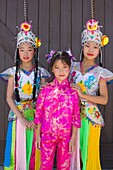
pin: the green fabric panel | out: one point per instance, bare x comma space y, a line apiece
84, 133
29, 141
29, 114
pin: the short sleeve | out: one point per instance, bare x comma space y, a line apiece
76, 120
10, 72
44, 73
107, 75
40, 107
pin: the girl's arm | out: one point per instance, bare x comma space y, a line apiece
76, 123
39, 115
38, 136
101, 99
11, 103
72, 143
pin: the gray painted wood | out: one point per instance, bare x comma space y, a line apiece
58, 23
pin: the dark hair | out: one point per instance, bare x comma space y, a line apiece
35, 73
17, 97
63, 56
100, 57
81, 55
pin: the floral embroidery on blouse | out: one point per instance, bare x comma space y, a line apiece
89, 83
27, 88
82, 85
26, 80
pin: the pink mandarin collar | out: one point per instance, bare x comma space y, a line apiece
63, 85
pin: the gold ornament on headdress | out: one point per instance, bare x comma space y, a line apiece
38, 42
104, 40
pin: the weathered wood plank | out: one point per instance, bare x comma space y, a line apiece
55, 25
44, 8
77, 27
59, 24
66, 25
7, 39
2, 92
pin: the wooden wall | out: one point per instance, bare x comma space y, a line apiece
58, 23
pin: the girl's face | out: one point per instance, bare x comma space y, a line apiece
61, 70
26, 52
91, 50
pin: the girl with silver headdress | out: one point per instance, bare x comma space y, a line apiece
24, 82
88, 78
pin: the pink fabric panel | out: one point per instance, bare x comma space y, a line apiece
20, 147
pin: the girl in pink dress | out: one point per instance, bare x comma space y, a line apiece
57, 115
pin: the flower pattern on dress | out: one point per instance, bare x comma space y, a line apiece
89, 82
91, 110
58, 108
73, 77
82, 85
27, 88
97, 114
73, 74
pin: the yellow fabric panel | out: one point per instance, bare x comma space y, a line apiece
93, 162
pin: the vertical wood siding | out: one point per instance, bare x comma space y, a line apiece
58, 23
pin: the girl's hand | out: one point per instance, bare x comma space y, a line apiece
24, 121
72, 145
78, 88
32, 125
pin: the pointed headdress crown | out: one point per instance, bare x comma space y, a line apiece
93, 33
27, 36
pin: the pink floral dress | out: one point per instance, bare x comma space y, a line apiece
57, 110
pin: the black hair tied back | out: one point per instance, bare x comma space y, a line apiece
35, 73
17, 97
